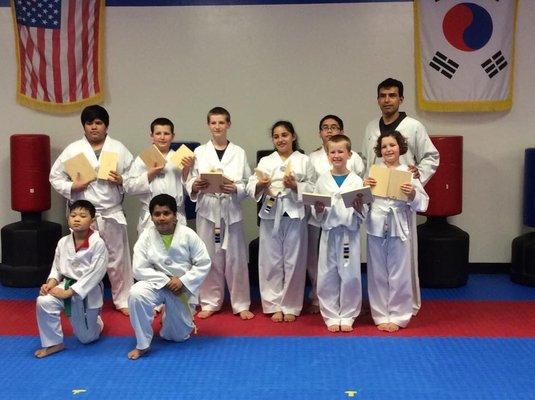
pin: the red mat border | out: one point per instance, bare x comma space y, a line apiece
438, 318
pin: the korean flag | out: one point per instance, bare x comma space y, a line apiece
464, 54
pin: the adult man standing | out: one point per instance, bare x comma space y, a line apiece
422, 156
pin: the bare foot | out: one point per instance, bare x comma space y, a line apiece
346, 328
205, 314
47, 351
388, 327
277, 317
334, 328
313, 309
393, 327
124, 311
383, 327
136, 353
246, 314
158, 309
289, 317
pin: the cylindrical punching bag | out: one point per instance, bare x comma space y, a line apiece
445, 188
30, 165
443, 248
529, 188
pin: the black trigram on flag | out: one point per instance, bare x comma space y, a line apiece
494, 64
446, 66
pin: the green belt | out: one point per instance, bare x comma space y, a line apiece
68, 283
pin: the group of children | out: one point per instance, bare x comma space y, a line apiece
176, 267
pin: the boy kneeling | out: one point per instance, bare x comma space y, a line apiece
74, 283
170, 263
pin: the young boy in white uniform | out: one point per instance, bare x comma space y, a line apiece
283, 226
145, 183
105, 195
170, 263
422, 157
389, 241
329, 126
339, 287
74, 284
220, 218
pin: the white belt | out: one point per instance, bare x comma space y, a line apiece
393, 212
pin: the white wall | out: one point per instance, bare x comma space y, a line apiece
296, 62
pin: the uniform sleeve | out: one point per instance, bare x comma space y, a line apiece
59, 179
124, 167
358, 165
367, 149
200, 264
142, 266
426, 154
136, 181
95, 272
241, 192
193, 174
54, 271
251, 184
421, 198
307, 184
251, 189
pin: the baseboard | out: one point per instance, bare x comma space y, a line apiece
489, 268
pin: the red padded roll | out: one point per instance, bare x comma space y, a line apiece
30, 165
445, 188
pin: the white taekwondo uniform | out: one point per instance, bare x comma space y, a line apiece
87, 266
339, 286
320, 161
283, 234
423, 154
220, 225
168, 181
154, 265
389, 255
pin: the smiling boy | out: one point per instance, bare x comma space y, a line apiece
339, 287
170, 263
145, 182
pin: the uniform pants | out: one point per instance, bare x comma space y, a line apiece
119, 264
48, 310
416, 296
314, 233
339, 287
177, 321
228, 265
389, 280
281, 265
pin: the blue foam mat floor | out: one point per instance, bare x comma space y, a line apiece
274, 368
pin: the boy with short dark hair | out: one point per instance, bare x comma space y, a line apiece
105, 194
74, 284
170, 263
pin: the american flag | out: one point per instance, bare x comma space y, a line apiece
59, 51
